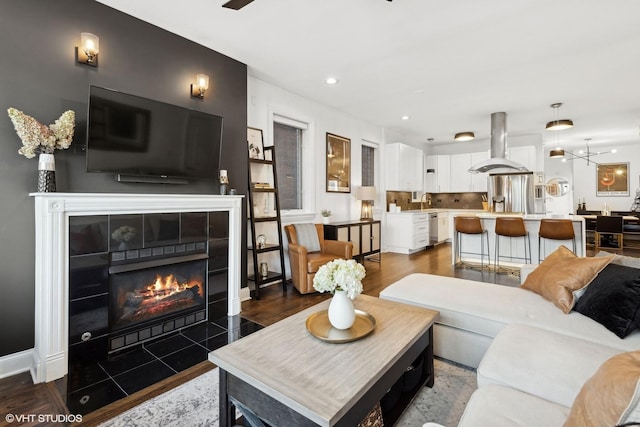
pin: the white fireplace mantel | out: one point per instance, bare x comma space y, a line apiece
52, 212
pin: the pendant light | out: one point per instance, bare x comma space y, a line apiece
557, 153
558, 124
464, 136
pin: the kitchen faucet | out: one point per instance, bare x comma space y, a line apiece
423, 201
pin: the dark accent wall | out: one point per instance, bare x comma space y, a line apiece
39, 75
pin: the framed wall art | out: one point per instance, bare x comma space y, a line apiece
255, 143
338, 164
612, 179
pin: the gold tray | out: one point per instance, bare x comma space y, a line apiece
318, 325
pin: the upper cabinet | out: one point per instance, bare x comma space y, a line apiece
460, 176
404, 167
526, 156
479, 180
437, 174
450, 173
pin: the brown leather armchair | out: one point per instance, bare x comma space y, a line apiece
304, 265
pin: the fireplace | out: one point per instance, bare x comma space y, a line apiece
95, 251
146, 301
146, 295
137, 277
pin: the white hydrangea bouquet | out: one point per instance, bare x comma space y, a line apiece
340, 275
38, 138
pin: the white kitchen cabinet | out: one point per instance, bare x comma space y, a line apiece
479, 180
526, 156
438, 181
404, 167
460, 176
443, 227
430, 178
453, 175
407, 232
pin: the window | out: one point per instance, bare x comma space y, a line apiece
288, 142
293, 140
368, 166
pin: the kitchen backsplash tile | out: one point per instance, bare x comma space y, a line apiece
438, 200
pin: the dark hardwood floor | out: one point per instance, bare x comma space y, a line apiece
18, 395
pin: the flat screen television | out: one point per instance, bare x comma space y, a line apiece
144, 140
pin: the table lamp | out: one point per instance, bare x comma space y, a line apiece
367, 195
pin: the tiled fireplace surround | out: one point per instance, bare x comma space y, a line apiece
53, 212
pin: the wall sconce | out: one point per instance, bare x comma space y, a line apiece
200, 86
367, 195
87, 52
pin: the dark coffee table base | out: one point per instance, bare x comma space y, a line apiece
277, 414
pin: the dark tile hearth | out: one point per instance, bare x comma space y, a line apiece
143, 376
94, 397
93, 385
186, 358
126, 361
165, 346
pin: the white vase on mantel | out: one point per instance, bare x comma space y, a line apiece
341, 311
325, 220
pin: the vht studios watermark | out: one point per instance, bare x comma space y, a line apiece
43, 418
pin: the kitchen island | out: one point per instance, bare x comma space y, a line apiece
512, 250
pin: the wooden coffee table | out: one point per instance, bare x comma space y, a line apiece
288, 377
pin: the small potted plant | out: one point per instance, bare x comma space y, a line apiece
326, 213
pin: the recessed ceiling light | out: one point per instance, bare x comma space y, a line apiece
331, 81
405, 117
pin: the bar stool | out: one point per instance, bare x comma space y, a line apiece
556, 229
470, 225
511, 227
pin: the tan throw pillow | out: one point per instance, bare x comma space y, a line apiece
610, 397
561, 274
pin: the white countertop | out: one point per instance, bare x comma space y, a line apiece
531, 217
435, 210
484, 214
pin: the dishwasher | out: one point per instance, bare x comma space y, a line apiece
433, 228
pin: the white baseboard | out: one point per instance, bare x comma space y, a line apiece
245, 294
16, 363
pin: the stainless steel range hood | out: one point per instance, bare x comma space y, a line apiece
498, 163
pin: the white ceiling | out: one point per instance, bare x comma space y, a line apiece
446, 64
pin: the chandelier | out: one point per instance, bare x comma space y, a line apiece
585, 154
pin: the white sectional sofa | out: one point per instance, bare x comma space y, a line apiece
472, 313
531, 377
536, 365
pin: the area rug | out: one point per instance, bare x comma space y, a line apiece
195, 403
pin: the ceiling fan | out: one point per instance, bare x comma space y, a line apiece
239, 4
236, 4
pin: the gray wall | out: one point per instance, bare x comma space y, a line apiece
39, 76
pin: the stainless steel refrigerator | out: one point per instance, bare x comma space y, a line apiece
511, 192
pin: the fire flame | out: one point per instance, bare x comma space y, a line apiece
169, 285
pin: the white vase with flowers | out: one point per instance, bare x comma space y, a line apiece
343, 278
